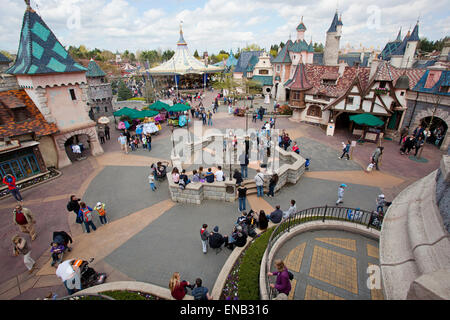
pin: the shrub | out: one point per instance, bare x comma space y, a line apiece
285, 110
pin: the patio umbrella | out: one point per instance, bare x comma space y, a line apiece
158, 105
367, 119
144, 113
103, 120
125, 112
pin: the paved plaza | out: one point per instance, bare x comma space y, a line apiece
149, 236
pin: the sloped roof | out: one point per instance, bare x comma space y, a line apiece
36, 123
299, 80
444, 80
299, 46
264, 80
4, 59
283, 56
252, 62
334, 23
244, 59
415, 33
94, 70
39, 51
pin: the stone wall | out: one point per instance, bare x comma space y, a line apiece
414, 244
8, 82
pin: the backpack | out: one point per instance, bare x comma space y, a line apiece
182, 184
291, 276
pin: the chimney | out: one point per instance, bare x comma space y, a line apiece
342, 66
373, 67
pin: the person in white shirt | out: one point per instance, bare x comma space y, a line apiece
123, 142
291, 211
259, 181
219, 174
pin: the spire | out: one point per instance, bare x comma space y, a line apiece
39, 50
334, 23
301, 26
415, 33
339, 23
399, 35
181, 41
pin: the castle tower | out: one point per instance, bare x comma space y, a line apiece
331, 50
411, 46
56, 84
301, 28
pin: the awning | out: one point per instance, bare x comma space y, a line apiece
367, 119
159, 105
178, 108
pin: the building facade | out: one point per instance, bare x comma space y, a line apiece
99, 92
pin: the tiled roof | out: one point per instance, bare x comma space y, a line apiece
299, 46
444, 80
264, 80
94, 70
299, 80
36, 123
244, 58
334, 23
415, 33
39, 51
283, 56
4, 59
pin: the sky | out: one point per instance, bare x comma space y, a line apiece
213, 25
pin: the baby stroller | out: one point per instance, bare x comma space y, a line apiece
161, 174
90, 277
59, 246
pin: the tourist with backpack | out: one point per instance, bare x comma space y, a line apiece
200, 292
204, 234
86, 214
100, 208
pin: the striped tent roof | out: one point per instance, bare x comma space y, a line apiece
39, 51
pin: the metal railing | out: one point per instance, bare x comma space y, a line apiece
358, 216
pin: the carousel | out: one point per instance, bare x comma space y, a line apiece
184, 70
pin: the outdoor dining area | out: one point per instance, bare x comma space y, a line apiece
368, 127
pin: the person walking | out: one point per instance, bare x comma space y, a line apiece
282, 283
242, 197
86, 213
209, 118
272, 183
123, 142
200, 292
151, 181
238, 177
419, 144
408, 144
21, 247
10, 181
107, 132
204, 237
341, 190
345, 150
376, 156
148, 137
24, 218
259, 181
101, 135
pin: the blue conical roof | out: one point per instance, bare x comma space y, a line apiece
334, 23
39, 51
415, 33
94, 70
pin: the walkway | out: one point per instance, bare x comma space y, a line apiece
149, 236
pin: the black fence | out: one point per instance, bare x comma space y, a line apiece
363, 217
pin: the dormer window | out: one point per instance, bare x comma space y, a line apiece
329, 82
350, 100
21, 114
382, 84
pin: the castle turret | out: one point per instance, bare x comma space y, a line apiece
331, 51
301, 28
411, 47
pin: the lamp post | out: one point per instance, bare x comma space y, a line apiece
229, 147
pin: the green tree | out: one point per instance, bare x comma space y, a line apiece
196, 54
167, 55
123, 92
318, 47
252, 47
222, 56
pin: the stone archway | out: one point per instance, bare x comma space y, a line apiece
62, 137
439, 113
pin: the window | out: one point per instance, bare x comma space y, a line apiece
278, 68
21, 114
314, 111
296, 95
320, 97
72, 94
106, 109
329, 82
382, 84
263, 71
402, 93
350, 100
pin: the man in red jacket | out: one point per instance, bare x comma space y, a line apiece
10, 181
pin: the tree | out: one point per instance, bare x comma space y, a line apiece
123, 92
222, 56
167, 55
318, 47
226, 82
252, 47
196, 54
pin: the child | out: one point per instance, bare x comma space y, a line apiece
151, 180
86, 213
341, 193
100, 208
144, 142
295, 148
56, 250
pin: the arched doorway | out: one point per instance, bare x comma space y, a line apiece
78, 147
438, 129
343, 122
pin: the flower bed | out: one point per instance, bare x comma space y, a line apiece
243, 281
119, 295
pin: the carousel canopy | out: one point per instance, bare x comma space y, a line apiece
158, 105
183, 63
367, 119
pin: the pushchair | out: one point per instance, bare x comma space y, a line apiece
90, 277
59, 246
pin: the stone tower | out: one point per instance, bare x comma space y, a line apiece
409, 56
331, 51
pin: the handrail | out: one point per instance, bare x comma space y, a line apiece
358, 216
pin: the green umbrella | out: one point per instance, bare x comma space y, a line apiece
146, 113
179, 107
158, 105
124, 112
367, 119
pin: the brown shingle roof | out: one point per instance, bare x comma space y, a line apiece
36, 123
